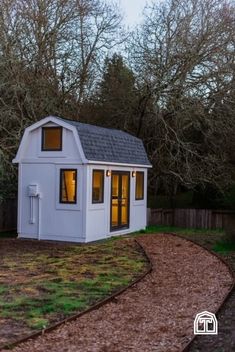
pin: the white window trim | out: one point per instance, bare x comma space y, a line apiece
68, 206
51, 154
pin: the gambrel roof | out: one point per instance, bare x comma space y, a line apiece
95, 144
110, 145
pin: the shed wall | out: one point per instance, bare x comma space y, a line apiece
98, 215
52, 221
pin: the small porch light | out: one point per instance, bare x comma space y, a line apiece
133, 173
108, 173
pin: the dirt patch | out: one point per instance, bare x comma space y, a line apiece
154, 315
42, 283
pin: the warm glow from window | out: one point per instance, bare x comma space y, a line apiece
98, 186
120, 199
68, 186
139, 189
51, 138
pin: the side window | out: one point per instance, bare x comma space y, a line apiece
98, 186
139, 186
68, 186
51, 138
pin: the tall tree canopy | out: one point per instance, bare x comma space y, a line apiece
114, 99
173, 85
183, 54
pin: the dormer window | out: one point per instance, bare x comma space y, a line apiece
51, 138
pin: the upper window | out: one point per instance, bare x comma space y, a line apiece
139, 186
98, 186
68, 186
51, 138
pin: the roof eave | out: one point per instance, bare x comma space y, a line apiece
118, 164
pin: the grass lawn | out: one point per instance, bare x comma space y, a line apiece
224, 247
43, 282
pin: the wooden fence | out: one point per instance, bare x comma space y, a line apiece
190, 218
8, 215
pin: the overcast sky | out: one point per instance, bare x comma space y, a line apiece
132, 10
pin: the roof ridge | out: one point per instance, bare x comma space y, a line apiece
74, 122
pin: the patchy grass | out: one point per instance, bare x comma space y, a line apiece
203, 237
224, 247
42, 282
180, 230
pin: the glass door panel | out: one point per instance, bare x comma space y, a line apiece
125, 200
114, 205
120, 199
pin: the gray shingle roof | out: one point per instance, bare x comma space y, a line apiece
110, 145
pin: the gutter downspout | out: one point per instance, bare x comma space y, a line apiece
39, 216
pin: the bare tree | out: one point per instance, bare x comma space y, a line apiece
51, 54
184, 55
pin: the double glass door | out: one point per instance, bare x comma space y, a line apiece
120, 194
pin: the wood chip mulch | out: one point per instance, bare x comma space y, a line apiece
157, 313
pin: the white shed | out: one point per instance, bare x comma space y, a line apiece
79, 182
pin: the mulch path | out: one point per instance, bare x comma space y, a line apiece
225, 340
157, 313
